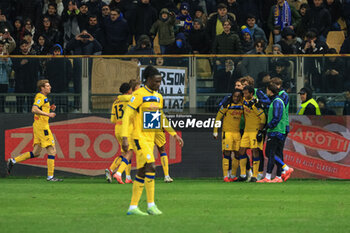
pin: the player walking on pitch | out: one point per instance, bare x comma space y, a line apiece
43, 138
145, 110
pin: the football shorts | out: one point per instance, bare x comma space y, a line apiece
249, 141
231, 141
43, 137
144, 151
159, 139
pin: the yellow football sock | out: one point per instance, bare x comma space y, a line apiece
256, 163
235, 163
128, 169
24, 156
165, 163
225, 165
115, 163
243, 164
149, 183
50, 165
137, 189
124, 164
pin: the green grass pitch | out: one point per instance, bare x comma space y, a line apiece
87, 205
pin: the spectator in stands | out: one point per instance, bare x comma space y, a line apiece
255, 31
95, 6
276, 49
312, 45
144, 17
183, 19
26, 76
215, 22
282, 15
143, 47
55, 19
7, 39
29, 38
31, 9
247, 41
84, 44
58, 6
250, 7
70, 22
164, 27
199, 14
18, 30
161, 4
309, 105
234, 8
180, 46
252, 66
119, 4
28, 26
346, 110
335, 9
325, 110
300, 30
227, 42
198, 38
318, 17
4, 23
289, 42
117, 34
52, 35
83, 16
280, 71
59, 71
95, 30
224, 77
5, 71
333, 73
106, 11
42, 46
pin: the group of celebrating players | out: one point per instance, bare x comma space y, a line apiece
249, 116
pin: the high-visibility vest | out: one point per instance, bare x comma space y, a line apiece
303, 107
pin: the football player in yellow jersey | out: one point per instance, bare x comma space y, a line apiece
255, 120
145, 111
232, 112
121, 162
43, 137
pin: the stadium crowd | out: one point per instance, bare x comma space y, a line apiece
118, 27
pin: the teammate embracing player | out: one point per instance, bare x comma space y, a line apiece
231, 111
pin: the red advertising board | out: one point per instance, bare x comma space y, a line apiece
318, 147
85, 146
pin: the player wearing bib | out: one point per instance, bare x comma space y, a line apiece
231, 112
254, 122
43, 137
122, 162
276, 132
145, 111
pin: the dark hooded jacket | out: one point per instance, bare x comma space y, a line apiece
174, 49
